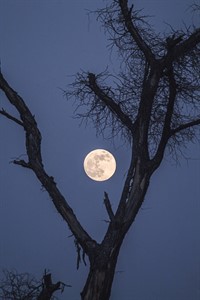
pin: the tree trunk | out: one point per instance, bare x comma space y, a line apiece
48, 288
103, 259
100, 277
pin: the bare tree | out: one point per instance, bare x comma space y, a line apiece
23, 286
49, 288
153, 102
19, 286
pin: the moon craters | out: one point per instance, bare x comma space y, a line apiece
99, 165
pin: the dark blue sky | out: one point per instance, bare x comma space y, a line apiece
42, 44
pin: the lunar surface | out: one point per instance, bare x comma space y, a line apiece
99, 165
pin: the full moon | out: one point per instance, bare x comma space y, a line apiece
99, 165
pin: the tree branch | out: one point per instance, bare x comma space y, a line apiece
187, 45
4, 113
168, 116
110, 103
33, 136
33, 147
22, 163
184, 126
134, 32
148, 94
108, 207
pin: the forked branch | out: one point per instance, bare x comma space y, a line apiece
33, 148
110, 103
187, 45
134, 32
7, 115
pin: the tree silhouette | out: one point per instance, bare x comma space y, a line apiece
153, 102
19, 286
23, 286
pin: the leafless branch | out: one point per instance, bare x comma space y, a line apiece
33, 148
187, 45
153, 102
168, 115
7, 115
109, 102
134, 31
19, 286
22, 163
108, 207
185, 126
101, 104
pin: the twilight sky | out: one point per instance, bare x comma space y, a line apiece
44, 43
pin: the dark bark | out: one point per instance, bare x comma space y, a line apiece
103, 260
33, 148
162, 84
100, 277
48, 288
